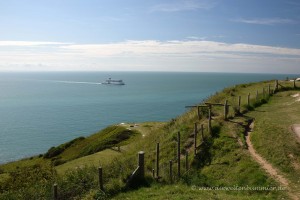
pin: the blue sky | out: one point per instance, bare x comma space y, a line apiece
152, 35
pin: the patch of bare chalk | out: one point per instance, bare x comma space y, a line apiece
296, 129
297, 96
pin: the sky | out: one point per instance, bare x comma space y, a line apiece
254, 36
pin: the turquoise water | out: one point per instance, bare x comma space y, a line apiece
40, 110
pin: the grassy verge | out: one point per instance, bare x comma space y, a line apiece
273, 138
182, 191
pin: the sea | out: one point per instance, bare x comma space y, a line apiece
39, 110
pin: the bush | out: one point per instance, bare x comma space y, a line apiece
100, 195
263, 101
114, 186
249, 107
27, 177
57, 162
111, 137
204, 112
236, 110
260, 102
55, 151
77, 182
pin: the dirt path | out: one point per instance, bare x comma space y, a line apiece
267, 166
296, 130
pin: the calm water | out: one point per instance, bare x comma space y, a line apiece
40, 110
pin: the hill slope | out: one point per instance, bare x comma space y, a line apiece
222, 160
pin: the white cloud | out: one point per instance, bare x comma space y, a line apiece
149, 55
266, 21
193, 47
29, 43
195, 38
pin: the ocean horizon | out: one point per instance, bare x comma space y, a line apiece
39, 110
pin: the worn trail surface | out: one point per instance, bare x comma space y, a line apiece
296, 130
267, 166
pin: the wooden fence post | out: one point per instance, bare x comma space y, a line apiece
256, 95
239, 104
186, 161
153, 173
195, 139
157, 160
100, 176
198, 112
202, 130
171, 171
248, 99
141, 164
276, 86
55, 194
178, 154
209, 119
225, 109
269, 89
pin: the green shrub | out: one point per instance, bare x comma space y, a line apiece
203, 112
55, 151
111, 137
248, 107
77, 182
57, 162
100, 195
27, 177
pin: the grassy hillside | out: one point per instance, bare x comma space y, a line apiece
109, 137
222, 160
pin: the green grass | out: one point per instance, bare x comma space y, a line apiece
26, 162
182, 191
222, 161
98, 159
111, 136
272, 136
226, 162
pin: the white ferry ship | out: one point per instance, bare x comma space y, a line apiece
113, 82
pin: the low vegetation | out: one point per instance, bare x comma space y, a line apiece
111, 136
222, 160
